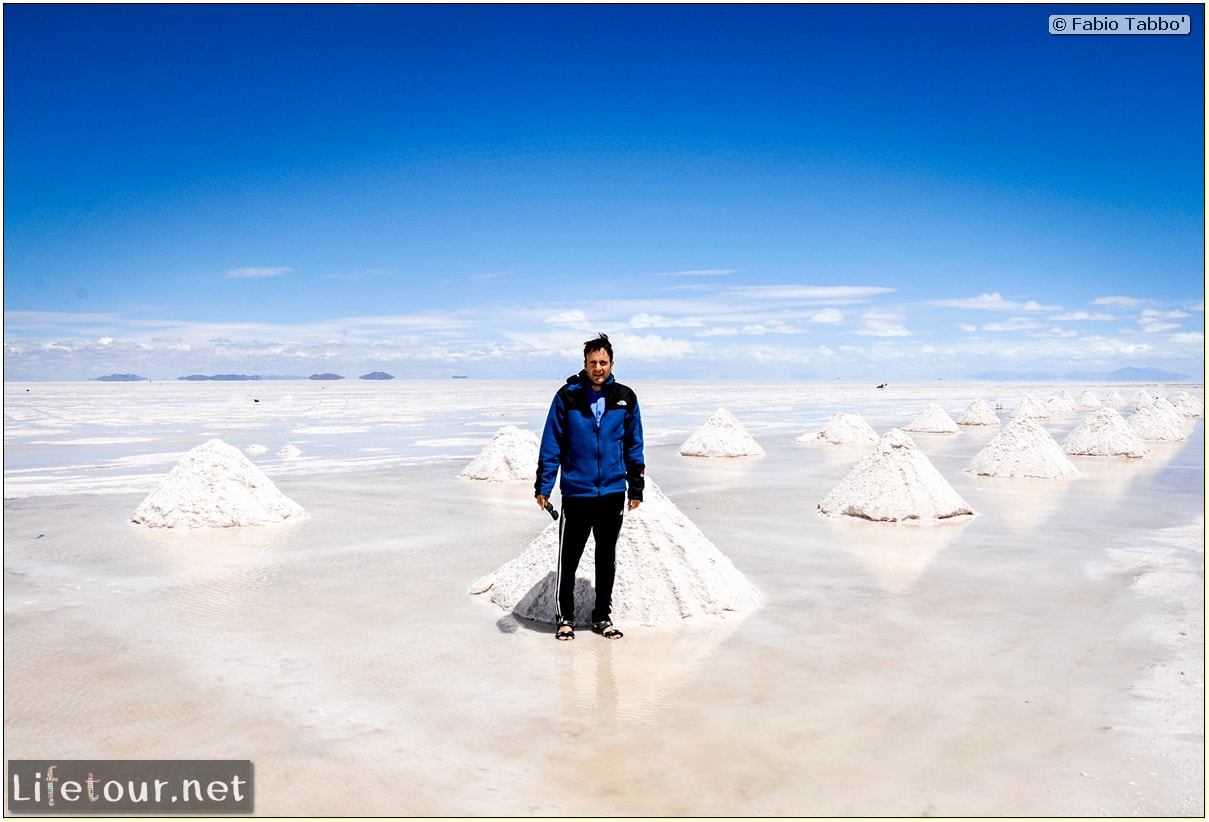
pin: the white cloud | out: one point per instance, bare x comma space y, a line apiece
1124, 302
1151, 314
771, 327
746, 332
649, 347
1013, 324
882, 322
882, 328
994, 301
1153, 321
1071, 316
570, 319
255, 273
702, 272
659, 321
828, 316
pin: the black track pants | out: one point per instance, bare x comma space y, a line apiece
581, 516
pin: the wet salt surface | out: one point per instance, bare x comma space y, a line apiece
1043, 658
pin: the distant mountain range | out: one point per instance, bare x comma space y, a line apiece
1129, 374
122, 378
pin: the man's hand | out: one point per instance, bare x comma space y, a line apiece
541, 501
632, 504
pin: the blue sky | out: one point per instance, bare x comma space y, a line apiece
775, 191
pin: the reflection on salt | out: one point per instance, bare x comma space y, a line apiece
1023, 504
218, 574
895, 554
628, 683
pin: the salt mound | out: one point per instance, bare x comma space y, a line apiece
215, 486
932, 420
1105, 433
1188, 405
1029, 409
288, 452
667, 571
1113, 399
1023, 449
256, 449
843, 429
721, 436
1087, 400
511, 455
978, 413
1056, 406
1158, 422
1142, 398
895, 483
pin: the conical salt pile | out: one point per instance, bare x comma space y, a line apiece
1023, 449
1029, 409
215, 486
1059, 405
1158, 422
1087, 400
843, 429
932, 420
978, 413
511, 455
895, 483
1142, 398
1105, 433
721, 436
1188, 405
1113, 398
667, 571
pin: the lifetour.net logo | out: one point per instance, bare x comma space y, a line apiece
79, 787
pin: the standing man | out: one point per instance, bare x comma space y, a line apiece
594, 434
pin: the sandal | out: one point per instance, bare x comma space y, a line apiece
605, 629
565, 630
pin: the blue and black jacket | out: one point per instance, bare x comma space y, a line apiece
596, 458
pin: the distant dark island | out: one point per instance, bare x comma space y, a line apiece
376, 375
122, 378
326, 376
